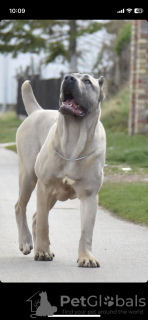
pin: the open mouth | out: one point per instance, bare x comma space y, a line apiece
70, 106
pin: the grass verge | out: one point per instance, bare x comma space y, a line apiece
8, 126
125, 149
127, 200
114, 112
12, 148
122, 148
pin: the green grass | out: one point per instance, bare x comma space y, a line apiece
12, 148
127, 200
8, 126
114, 112
122, 148
125, 149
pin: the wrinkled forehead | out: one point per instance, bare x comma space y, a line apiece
84, 76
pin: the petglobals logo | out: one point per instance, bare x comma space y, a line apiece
94, 301
42, 306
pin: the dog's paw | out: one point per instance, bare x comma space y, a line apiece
89, 262
25, 241
44, 256
26, 247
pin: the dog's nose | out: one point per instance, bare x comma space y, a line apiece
69, 78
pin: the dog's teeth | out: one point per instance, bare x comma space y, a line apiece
70, 105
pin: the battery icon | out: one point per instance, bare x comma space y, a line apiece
138, 10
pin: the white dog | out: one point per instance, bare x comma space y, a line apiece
63, 152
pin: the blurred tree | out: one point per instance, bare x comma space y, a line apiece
123, 38
54, 37
116, 52
58, 38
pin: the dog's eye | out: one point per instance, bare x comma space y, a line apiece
87, 81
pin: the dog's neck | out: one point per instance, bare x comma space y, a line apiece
75, 135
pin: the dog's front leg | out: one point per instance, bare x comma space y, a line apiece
45, 202
88, 214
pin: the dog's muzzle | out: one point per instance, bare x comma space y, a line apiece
69, 104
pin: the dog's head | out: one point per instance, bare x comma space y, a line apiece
80, 94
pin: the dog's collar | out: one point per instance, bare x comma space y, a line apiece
69, 159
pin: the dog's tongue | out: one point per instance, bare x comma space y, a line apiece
70, 106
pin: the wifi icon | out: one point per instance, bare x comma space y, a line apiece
129, 10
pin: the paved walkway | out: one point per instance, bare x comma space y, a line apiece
120, 247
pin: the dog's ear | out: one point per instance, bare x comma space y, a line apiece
101, 82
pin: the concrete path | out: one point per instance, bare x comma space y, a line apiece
120, 247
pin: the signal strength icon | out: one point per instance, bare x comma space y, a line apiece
129, 10
121, 11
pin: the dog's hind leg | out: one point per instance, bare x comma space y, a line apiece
26, 185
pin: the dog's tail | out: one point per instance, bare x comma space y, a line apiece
30, 103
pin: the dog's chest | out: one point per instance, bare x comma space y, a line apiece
69, 181
62, 188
